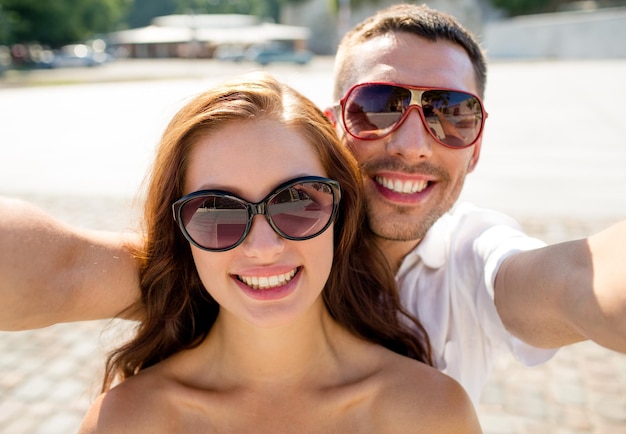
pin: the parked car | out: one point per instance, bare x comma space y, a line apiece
75, 55
235, 53
270, 53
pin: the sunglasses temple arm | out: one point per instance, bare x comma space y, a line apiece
330, 115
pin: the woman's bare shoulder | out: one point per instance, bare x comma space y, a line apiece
417, 398
133, 406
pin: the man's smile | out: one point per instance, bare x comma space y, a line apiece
402, 186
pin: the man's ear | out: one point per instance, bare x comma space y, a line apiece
330, 114
475, 156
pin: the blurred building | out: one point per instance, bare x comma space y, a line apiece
328, 27
200, 35
312, 25
590, 33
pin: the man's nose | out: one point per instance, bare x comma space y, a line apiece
411, 140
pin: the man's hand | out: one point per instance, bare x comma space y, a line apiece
567, 292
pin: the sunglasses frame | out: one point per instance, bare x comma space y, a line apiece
415, 102
255, 208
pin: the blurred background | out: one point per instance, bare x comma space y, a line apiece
36, 34
87, 87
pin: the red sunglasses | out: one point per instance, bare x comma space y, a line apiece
371, 111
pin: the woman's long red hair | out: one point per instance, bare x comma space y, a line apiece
177, 312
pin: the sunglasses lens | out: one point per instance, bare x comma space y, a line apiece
454, 118
214, 221
371, 111
303, 210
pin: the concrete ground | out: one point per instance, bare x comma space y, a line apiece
554, 157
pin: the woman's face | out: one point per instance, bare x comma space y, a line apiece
250, 159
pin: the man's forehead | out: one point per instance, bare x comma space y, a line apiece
409, 59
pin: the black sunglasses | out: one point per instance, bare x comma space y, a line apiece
372, 111
299, 209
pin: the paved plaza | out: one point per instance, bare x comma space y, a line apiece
554, 157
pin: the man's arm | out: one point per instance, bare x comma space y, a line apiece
51, 273
567, 292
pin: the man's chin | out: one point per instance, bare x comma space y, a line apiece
396, 232
406, 229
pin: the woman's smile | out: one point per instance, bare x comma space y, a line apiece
272, 287
264, 282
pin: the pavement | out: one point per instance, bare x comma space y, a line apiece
561, 176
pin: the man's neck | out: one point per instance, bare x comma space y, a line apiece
395, 251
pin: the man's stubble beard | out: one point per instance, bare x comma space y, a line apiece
406, 227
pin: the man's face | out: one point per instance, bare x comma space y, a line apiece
410, 179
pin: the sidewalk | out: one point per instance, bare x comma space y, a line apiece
554, 158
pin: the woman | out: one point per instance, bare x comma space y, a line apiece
267, 323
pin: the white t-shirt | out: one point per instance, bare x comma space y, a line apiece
447, 281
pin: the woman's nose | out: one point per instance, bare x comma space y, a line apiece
262, 240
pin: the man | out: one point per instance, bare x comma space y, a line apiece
446, 263
407, 82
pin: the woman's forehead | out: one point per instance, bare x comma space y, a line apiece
251, 157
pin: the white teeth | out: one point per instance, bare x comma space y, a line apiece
264, 282
402, 187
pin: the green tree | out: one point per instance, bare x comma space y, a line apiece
525, 7
143, 11
261, 8
334, 4
521, 7
58, 22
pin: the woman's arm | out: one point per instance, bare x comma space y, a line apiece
51, 273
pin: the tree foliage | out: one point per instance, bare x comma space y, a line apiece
521, 7
58, 22
526, 7
143, 11
334, 5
